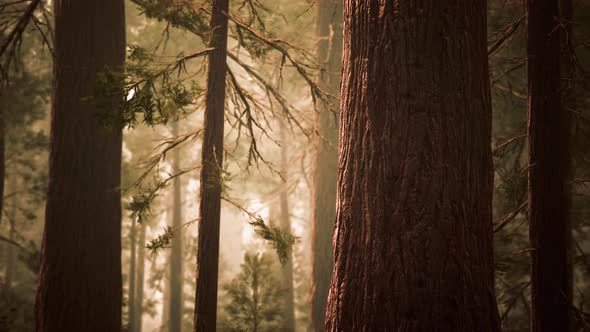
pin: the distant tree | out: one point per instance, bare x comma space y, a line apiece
413, 237
325, 169
288, 322
211, 173
80, 286
131, 289
255, 296
548, 133
140, 278
176, 272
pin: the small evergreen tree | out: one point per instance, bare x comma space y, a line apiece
254, 296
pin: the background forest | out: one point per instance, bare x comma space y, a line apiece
277, 178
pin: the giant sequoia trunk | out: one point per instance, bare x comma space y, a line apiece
80, 274
325, 171
550, 230
413, 237
176, 277
212, 163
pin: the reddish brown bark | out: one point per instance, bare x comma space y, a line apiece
413, 238
80, 274
212, 163
325, 171
550, 231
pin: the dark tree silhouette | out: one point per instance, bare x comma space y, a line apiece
550, 230
80, 274
211, 172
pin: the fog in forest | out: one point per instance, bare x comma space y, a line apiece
347, 160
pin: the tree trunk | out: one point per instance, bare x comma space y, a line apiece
140, 279
2, 162
413, 237
550, 231
131, 289
325, 170
9, 275
176, 277
288, 321
211, 172
80, 274
12, 231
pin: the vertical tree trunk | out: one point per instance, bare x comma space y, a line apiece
2, 162
285, 226
11, 232
166, 302
413, 237
548, 155
80, 274
138, 315
131, 289
325, 170
9, 275
211, 172
176, 276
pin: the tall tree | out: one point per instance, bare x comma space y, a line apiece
132, 268
550, 229
2, 162
140, 279
325, 171
288, 322
176, 274
211, 173
413, 236
11, 229
80, 274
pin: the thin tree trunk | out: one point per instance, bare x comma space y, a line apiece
285, 225
80, 284
166, 302
211, 172
12, 232
2, 162
550, 231
176, 276
140, 279
131, 289
325, 172
413, 237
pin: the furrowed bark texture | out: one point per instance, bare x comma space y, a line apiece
176, 277
325, 171
80, 275
212, 163
413, 237
550, 230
